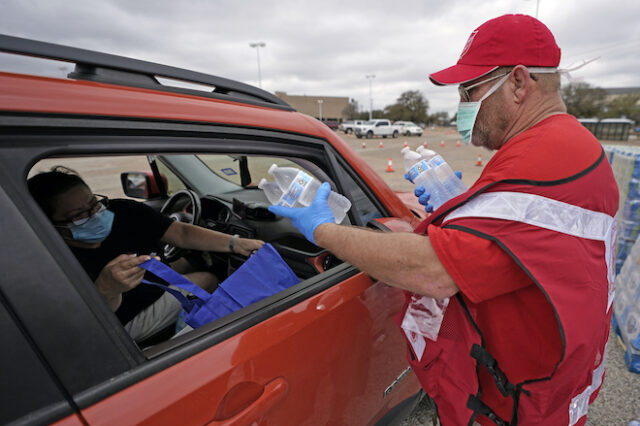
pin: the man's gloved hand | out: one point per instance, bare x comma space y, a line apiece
307, 219
406, 176
423, 198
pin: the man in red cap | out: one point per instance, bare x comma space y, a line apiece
509, 286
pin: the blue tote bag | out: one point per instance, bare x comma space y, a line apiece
262, 275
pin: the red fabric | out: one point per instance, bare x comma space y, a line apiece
509, 305
508, 40
517, 326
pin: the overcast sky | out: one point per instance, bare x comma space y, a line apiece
325, 47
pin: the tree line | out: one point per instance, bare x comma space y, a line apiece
582, 100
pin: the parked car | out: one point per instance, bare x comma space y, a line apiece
409, 128
377, 127
331, 123
349, 126
325, 351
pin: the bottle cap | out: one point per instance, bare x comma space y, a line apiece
262, 182
272, 168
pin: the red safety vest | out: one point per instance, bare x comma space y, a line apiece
563, 237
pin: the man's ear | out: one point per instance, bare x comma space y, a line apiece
521, 83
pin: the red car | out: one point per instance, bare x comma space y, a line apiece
325, 351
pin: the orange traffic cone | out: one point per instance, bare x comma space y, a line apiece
380, 146
442, 143
424, 144
458, 143
479, 162
364, 144
405, 144
389, 165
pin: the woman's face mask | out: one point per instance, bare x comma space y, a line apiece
96, 229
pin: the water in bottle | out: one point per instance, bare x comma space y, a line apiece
422, 174
451, 183
299, 189
271, 190
426, 153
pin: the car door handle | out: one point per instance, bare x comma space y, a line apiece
274, 392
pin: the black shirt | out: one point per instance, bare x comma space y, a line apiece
137, 229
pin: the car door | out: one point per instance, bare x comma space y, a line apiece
321, 352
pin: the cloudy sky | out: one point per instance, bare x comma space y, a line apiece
324, 47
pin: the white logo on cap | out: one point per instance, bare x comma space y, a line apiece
468, 44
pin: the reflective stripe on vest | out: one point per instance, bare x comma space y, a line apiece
549, 214
580, 403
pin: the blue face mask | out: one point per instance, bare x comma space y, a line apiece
95, 230
468, 111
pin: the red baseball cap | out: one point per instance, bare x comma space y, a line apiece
507, 40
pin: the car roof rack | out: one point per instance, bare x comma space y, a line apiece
114, 69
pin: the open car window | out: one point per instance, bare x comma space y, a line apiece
226, 206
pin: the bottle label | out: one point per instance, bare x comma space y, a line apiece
417, 169
295, 190
436, 161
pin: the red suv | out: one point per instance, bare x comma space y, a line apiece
325, 351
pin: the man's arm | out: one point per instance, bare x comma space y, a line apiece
400, 259
193, 237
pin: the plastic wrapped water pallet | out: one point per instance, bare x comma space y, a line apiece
625, 162
626, 307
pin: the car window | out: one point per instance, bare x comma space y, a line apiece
216, 175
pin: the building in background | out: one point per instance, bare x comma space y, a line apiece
321, 107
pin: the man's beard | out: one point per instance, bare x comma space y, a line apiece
491, 124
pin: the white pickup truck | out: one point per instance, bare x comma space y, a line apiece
378, 127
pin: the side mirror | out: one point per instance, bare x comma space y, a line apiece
139, 185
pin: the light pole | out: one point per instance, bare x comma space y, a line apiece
370, 77
258, 45
320, 108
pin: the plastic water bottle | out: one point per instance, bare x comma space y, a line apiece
451, 183
299, 189
422, 174
271, 190
426, 153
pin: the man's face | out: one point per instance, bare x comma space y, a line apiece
491, 123
493, 117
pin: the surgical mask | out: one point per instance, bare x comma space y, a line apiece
95, 230
468, 111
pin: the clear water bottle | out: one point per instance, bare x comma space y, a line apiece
422, 174
451, 183
426, 153
299, 189
271, 190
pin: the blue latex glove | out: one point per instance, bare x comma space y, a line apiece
423, 198
307, 219
406, 176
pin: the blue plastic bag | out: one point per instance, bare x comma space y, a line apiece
262, 275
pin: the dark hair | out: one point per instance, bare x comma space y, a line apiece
46, 186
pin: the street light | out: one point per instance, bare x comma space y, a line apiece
370, 77
320, 108
258, 45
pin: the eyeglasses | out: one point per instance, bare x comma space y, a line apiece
98, 204
464, 92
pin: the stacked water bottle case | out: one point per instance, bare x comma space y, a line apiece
625, 162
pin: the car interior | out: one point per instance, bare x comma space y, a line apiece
219, 192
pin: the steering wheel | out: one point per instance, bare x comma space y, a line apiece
176, 208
